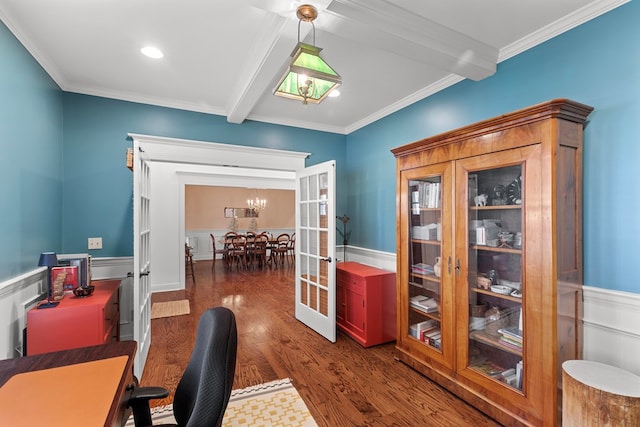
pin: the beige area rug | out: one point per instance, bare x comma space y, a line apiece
169, 308
276, 403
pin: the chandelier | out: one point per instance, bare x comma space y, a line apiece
308, 78
257, 204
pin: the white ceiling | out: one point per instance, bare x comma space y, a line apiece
225, 57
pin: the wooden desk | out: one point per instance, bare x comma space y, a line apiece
66, 394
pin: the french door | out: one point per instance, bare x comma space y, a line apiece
141, 257
315, 286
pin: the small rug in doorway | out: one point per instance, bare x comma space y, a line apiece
276, 403
169, 308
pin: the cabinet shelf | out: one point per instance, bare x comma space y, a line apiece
426, 242
493, 342
430, 210
433, 315
497, 295
495, 208
428, 277
496, 249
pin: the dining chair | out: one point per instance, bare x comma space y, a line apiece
238, 252
188, 261
259, 250
224, 252
291, 248
279, 252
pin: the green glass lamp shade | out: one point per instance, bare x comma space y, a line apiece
308, 78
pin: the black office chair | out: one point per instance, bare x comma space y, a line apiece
203, 392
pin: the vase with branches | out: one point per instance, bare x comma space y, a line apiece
344, 234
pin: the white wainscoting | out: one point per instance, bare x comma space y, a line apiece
19, 294
611, 318
612, 328
379, 259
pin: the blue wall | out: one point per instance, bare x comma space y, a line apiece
30, 159
98, 186
597, 64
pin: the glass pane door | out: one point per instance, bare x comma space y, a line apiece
495, 273
425, 260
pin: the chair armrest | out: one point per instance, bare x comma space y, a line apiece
148, 393
139, 403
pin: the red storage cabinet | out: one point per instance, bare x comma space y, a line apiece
76, 322
366, 303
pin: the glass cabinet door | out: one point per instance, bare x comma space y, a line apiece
425, 263
495, 279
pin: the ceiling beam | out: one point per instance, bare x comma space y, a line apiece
262, 62
402, 32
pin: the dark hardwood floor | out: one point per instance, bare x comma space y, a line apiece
342, 384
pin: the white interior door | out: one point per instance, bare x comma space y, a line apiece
315, 292
141, 257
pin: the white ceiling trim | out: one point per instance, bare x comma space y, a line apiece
41, 58
579, 17
441, 84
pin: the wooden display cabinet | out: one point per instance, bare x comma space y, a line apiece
76, 322
498, 203
366, 303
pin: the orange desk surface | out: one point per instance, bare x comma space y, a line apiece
71, 395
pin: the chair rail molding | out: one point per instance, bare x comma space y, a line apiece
611, 333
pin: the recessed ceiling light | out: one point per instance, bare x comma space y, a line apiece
152, 52
334, 93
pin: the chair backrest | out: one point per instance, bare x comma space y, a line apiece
203, 392
239, 244
283, 241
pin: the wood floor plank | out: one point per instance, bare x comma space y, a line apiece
342, 383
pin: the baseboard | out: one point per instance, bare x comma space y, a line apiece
611, 333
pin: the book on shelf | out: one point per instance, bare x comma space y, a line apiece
416, 329
429, 332
428, 195
509, 344
432, 337
424, 303
422, 268
513, 332
519, 374
487, 367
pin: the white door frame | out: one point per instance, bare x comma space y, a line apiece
171, 160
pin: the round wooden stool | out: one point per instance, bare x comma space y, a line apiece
595, 394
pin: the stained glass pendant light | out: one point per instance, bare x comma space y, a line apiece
308, 78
